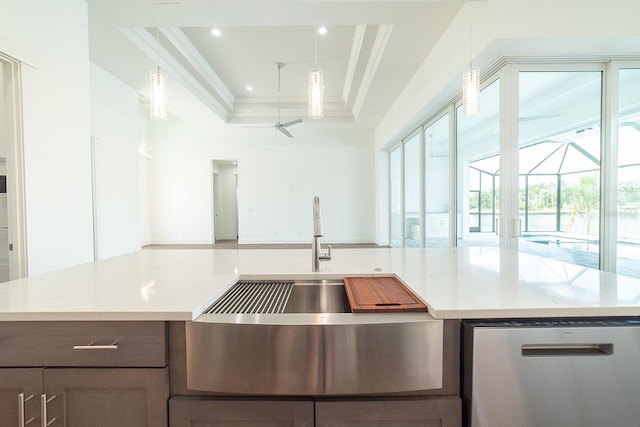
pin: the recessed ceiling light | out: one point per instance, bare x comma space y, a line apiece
249, 88
322, 29
216, 32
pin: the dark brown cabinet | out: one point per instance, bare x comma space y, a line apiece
390, 412
189, 412
98, 374
379, 412
100, 397
20, 391
107, 397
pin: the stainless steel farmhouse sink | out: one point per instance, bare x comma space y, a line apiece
318, 297
301, 339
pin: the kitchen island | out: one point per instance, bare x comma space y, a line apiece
76, 341
456, 283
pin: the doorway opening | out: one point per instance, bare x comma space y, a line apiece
225, 224
13, 234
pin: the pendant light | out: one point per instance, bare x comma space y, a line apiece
316, 93
471, 81
158, 87
316, 83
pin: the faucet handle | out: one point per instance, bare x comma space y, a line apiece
327, 256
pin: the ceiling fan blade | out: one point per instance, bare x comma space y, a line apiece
284, 130
292, 122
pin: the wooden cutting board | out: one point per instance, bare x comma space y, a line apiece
380, 294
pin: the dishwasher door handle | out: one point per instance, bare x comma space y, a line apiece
558, 350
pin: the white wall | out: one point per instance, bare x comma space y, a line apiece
145, 189
53, 37
115, 125
278, 178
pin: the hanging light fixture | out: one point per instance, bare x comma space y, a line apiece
316, 93
316, 82
158, 87
471, 91
471, 81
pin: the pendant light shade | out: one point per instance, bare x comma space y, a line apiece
316, 93
158, 105
471, 91
158, 95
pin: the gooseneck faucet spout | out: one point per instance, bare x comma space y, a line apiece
317, 221
316, 249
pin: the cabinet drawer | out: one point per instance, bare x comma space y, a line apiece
251, 412
396, 412
66, 344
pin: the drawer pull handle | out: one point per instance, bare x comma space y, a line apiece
21, 411
563, 350
113, 346
43, 410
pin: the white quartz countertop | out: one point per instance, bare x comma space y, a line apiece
178, 284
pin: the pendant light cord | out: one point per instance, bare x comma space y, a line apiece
279, 69
315, 34
470, 38
158, 39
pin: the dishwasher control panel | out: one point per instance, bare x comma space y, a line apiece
572, 322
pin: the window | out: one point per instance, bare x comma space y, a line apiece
395, 196
554, 203
478, 170
436, 183
628, 195
412, 191
559, 164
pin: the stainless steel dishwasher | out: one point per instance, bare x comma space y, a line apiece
552, 372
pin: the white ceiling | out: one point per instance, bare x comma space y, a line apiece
369, 54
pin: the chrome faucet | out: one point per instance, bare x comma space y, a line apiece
316, 249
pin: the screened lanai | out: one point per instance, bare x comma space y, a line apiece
559, 194
572, 129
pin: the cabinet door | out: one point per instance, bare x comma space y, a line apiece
189, 412
118, 397
15, 383
390, 412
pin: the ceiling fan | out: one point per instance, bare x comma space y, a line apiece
282, 127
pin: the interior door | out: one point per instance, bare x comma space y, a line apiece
216, 207
13, 237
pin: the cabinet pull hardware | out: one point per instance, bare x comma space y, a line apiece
43, 409
113, 346
21, 410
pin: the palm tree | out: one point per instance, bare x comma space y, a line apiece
583, 198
